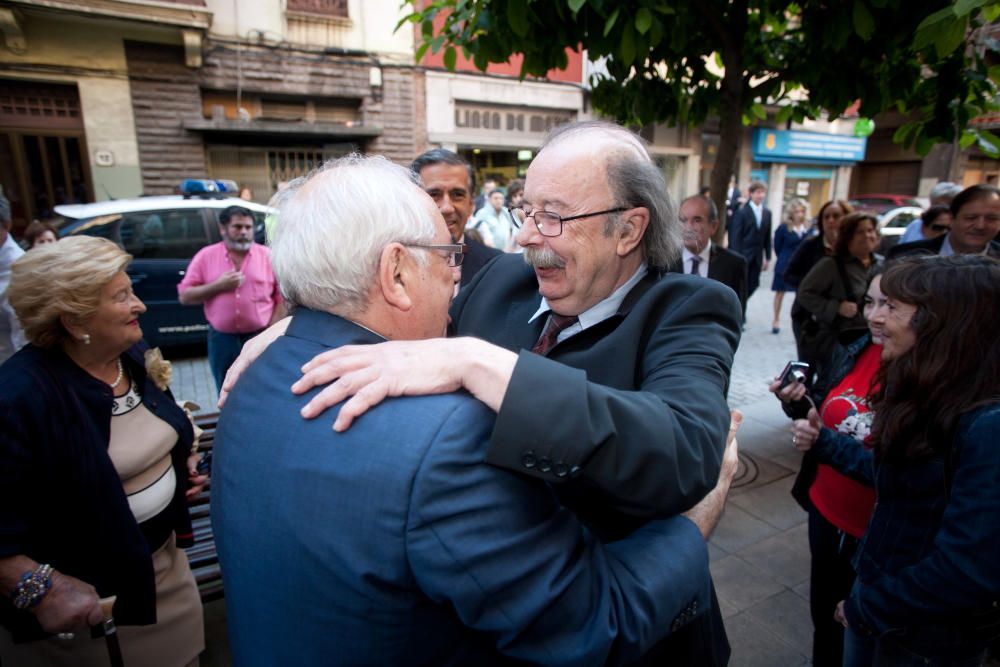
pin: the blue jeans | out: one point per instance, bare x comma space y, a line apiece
883, 652
223, 348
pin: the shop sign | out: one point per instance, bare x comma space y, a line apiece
794, 146
490, 120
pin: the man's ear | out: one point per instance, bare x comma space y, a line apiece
396, 276
632, 228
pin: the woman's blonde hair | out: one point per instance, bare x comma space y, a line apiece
58, 279
788, 218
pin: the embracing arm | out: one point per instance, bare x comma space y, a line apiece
959, 575
654, 450
517, 567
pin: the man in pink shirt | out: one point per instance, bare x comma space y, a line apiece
234, 280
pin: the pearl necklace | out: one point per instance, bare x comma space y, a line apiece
121, 374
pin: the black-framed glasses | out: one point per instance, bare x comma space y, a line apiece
456, 251
551, 224
935, 227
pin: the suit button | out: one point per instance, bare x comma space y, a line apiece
529, 460
560, 469
544, 464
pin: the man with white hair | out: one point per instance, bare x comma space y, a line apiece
393, 543
608, 374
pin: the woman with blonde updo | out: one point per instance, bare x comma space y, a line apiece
96, 465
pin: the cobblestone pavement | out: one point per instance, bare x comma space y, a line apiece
760, 554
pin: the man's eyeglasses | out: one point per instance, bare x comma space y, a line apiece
940, 228
551, 224
456, 251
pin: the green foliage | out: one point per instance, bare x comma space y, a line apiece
681, 61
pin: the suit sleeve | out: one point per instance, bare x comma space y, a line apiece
736, 232
514, 565
742, 281
958, 575
766, 231
654, 450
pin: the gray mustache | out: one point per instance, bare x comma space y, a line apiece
543, 258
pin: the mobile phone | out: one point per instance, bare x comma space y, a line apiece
204, 466
795, 371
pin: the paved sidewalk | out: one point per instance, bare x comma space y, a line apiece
760, 552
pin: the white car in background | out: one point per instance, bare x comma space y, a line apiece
162, 234
893, 223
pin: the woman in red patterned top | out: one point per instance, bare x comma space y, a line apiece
839, 507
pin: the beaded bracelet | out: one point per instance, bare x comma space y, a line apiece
32, 587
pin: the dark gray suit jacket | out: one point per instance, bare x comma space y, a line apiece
637, 425
726, 266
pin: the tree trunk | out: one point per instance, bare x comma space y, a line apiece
730, 120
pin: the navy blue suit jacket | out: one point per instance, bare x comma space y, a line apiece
753, 242
393, 543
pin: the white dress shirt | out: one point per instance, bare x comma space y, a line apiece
703, 266
597, 313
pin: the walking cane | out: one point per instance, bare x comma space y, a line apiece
111, 632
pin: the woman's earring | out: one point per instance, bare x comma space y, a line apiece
85, 338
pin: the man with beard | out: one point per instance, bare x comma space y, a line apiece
234, 280
608, 375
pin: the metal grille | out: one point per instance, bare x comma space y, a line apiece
262, 169
324, 7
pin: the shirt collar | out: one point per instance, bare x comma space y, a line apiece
947, 250
704, 254
601, 310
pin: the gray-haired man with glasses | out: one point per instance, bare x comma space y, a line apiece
393, 543
608, 374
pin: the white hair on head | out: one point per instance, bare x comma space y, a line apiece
333, 225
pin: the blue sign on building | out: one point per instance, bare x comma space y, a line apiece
806, 147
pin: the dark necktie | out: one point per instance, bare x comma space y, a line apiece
554, 326
695, 263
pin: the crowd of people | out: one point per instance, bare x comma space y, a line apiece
503, 436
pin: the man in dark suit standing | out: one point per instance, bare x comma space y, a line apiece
750, 235
975, 222
607, 373
393, 543
448, 179
700, 220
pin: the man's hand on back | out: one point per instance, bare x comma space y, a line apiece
707, 513
364, 375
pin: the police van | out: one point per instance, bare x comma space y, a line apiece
162, 234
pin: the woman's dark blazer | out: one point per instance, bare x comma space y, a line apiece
61, 500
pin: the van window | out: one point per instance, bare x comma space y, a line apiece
176, 234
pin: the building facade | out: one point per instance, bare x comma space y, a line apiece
117, 98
